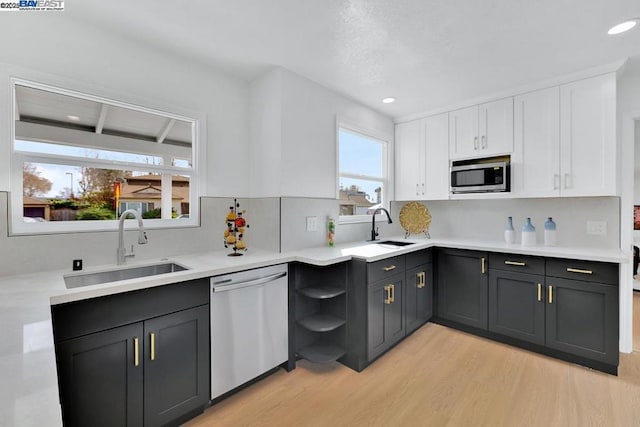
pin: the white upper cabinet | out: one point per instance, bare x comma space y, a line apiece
588, 144
436, 157
408, 155
565, 140
482, 130
535, 163
422, 159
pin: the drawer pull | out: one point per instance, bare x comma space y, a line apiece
577, 270
550, 294
393, 293
484, 269
421, 280
539, 292
389, 268
519, 264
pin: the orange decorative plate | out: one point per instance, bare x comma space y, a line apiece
415, 218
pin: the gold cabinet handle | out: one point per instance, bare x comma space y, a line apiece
539, 291
519, 264
387, 298
153, 345
484, 270
136, 351
421, 280
393, 293
389, 268
577, 270
550, 294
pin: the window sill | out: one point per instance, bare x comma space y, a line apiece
358, 219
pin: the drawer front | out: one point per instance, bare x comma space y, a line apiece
417, 258
385, 268
516, 263
590, 271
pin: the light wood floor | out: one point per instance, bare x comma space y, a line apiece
441, 377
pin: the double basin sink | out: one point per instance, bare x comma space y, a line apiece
78, 280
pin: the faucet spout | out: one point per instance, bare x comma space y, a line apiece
142, 235
374, 232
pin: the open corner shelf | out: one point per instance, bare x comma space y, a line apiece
322, 352
321, 322
322, 292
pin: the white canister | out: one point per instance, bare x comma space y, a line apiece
528, 234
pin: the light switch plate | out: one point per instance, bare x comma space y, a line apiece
597, 228
312, 223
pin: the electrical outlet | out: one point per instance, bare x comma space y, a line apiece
312, 223
597, 228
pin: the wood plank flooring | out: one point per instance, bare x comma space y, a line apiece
440, 377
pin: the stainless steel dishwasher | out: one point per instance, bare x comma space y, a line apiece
249, 328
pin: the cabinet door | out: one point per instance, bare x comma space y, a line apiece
436, 158
462, 287
385, 322
101, 379
408, 155
418, 297
516, 305
588, 137
495, 130
177, 377
582, 319
463, 133
536, 160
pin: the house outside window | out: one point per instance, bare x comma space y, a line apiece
79, 161
363, 171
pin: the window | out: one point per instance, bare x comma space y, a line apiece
362, 174
79, 161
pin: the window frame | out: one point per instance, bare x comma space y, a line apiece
196, 175
386, 140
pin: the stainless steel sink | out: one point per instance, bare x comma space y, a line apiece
76, 280
394, 243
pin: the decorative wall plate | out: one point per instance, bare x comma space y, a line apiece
415, 218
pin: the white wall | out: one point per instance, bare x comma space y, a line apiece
77, 56
305, 143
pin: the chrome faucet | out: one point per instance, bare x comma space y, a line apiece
142, 236
374, 231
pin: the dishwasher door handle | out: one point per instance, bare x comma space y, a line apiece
219, 287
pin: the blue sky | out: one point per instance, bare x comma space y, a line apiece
360, 155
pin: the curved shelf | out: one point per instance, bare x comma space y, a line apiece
321, 353
322, 292
321, 322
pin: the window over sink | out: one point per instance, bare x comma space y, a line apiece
80, 160
363, 171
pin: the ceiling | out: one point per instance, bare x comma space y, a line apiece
426, 53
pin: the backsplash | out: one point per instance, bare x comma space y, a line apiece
486, 219
34, 253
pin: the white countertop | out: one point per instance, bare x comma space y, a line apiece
29, 389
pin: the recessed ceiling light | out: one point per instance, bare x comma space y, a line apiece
74, 118
388, 100
622, 27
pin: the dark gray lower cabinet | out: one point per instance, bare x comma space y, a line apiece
139, 358
462, 287
516, 305
385, 323
418, 296
100, 383
149, 373
582, 319
176, 365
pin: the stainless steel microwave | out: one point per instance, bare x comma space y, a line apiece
480, 177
